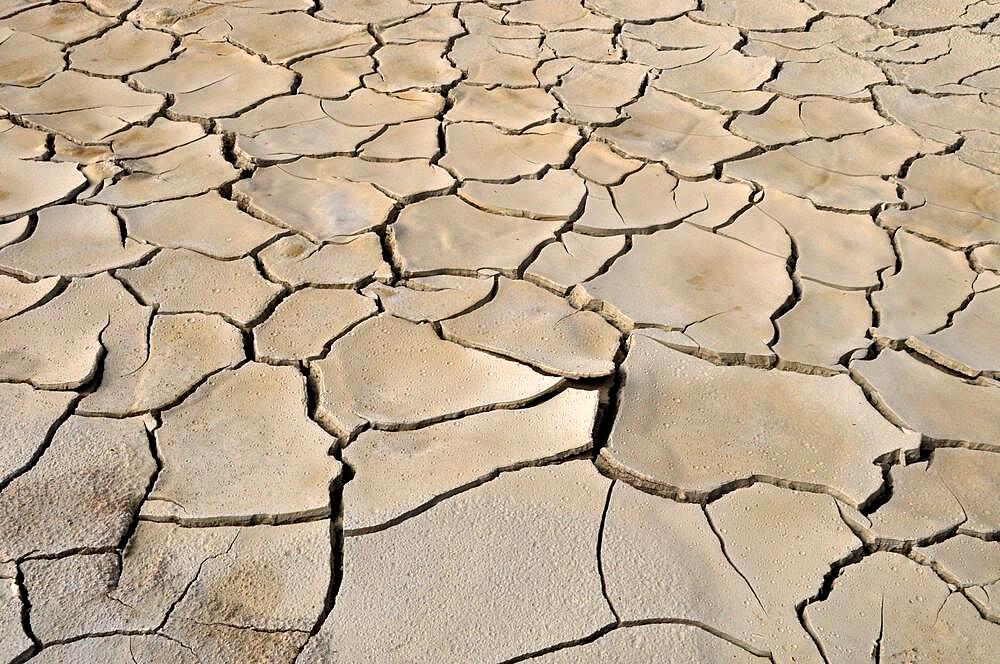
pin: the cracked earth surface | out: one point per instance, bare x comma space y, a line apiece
551, 330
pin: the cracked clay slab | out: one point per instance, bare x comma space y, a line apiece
57, 345
719, 291
457, 454
566, 341
902, 611
674, 431
242, 450
930, 401
391, 374
181, 280
489, 538
94, 475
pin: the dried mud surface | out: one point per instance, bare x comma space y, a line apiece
550, 330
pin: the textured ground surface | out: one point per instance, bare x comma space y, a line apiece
604, 331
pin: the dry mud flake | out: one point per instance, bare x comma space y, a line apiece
376, 12
66, 22
72, 240
675, 432
182, 350
93, 476
392, 373
20, 143
179, 280
759, 14
558, 194
942, 119
981, 148
433, 298
648, 199
11, 7
214, 79
556, 14
688, 139
530, 325
118, 649
438, 24
593, 93
27, 185
17, 296
972, 564
288, 127
540, 551
754, 228
184, 17
598, 163
336, 74
412, 66
82, 108
92, 158
842, 250
158, 137
845, 173
513, 109
921, 506
950, 201
497, 60
14, 231
204, 577
121, 51
188, 170
680, 41
446, 234
783, 544
921, 15
969, 345
955, 61
901, 611
27, 418
242, 449
403, 180
936, 404
208, 224
986, 257
319, 208
824, 327
590, 45
728, 81
661, 560
410, 140
719, 291
825, 71
638, 10
100, 593
269, 35
479, 151
931, 283
400, 473
789, 120
296, 262
26, 59
58, 345
369, 108
305, 322
572, 260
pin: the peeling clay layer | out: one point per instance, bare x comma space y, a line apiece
566, 331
